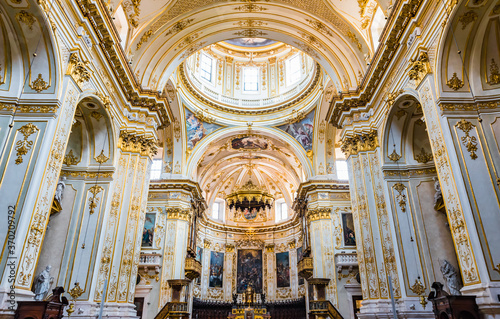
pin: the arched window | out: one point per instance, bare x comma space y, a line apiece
250, 79
156, 169
342, 172
206, 65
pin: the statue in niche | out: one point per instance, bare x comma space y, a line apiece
61, 185
42, 283
438, 196
451, 277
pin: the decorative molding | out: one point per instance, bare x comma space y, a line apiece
250, 33
144, 38
87, 175
320, 27
454, 82
24, 146
394, 156
419, 68
412, 172
250, 7
470, 142
423, 157
29, 108
469, 106
179, 213
94, 190
39, 84
250, 23
359, 143
70, 159
101, 158
494, 77
318, 213
130, 142
26, 18
391, 97
179, 26
401, 197
466, 18
307, 49
78, 69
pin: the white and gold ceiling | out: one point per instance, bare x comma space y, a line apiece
275, 139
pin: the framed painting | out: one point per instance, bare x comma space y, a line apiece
283, 270
216, 271
348, 230
148, 231
249, 270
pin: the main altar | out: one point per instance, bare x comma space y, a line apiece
249, 305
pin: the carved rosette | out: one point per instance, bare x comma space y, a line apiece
130, 142
359, 143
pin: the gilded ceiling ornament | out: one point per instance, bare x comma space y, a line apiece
104, 99
144, 38
394, 156
26, 18
133, 7
39, 84
250, 7
401, 197
192, 50
494, 73
179, 26
320, 27
16, 1
470, 142
423, 157
362, 6
307, 49
101, 158
188, 40
24, 146
310, 39
354, 39
250, 33
205, 117
296, 117
467, 18
454, 82
70, 159
250, 23
94, 190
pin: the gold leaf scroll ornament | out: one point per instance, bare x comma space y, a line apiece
24, 146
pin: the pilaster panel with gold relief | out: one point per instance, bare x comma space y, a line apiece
28, 251
460, 227
376, 256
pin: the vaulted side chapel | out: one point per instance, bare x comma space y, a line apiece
250, 159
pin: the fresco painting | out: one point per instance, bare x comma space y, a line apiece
196, 129
302, 131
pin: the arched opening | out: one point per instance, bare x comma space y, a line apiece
423, 232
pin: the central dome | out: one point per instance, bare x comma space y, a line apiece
250, 76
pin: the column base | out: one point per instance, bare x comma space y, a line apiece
114, 310
405, 308
8, 301
487, 298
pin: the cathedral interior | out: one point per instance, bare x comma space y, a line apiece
250, 159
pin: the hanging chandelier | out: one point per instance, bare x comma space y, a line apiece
250, 196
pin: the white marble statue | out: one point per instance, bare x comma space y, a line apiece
437, 187
451, 277
42, 283
61, 185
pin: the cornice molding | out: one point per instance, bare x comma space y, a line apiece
321, 185
101, 22
390, 42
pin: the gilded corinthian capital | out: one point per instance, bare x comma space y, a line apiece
129, 142
318, 213
352, 145
179, 213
